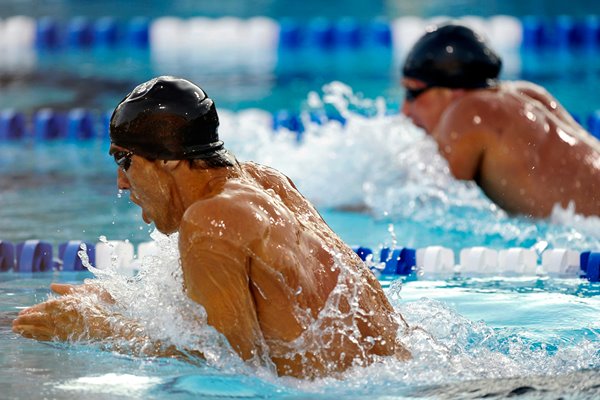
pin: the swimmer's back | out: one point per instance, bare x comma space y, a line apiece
527, 152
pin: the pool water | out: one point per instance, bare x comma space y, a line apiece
486, 337
377, 180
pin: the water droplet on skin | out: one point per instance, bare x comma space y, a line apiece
530, 116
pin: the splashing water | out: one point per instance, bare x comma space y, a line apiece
155, 302
393, 169
446, 347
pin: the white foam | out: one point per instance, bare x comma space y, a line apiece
393, 169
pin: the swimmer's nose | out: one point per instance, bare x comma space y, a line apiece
405, 109
122, 181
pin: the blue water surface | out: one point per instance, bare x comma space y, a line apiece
494, 337
519, 319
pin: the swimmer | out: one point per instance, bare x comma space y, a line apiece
254, 252
512, 138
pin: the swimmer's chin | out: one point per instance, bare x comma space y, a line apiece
146, 218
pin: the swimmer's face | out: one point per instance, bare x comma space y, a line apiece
149, 186
423, 104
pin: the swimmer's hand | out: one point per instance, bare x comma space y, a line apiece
65, 318
65, 289
62, 319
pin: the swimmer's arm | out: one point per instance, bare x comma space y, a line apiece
216, 275
69, 317
462, 144
66, 319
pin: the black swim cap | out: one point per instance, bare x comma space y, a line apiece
453, 56
167, 118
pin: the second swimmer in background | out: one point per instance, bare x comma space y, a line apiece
512, 138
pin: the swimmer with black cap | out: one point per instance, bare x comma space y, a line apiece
513, 139
254, 253
167, 119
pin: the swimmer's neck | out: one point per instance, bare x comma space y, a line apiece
195, 184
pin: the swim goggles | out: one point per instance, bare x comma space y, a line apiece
412, 94
123, 159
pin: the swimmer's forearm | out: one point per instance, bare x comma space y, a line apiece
65, 319
117, 333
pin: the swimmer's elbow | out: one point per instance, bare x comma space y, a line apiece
462, 174
465, 165
463, 170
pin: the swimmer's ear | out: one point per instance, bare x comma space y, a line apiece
170, 165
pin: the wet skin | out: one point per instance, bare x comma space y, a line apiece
516, 141
263, 263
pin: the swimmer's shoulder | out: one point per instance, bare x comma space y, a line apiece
268, 177
224, 215
476, 110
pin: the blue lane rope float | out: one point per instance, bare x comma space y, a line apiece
560, 32
81, 32
437, 261
537, 32
432, 262
49, 125
80, 124
7, 256
68, 253
34, 256
12, 125
106, 32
